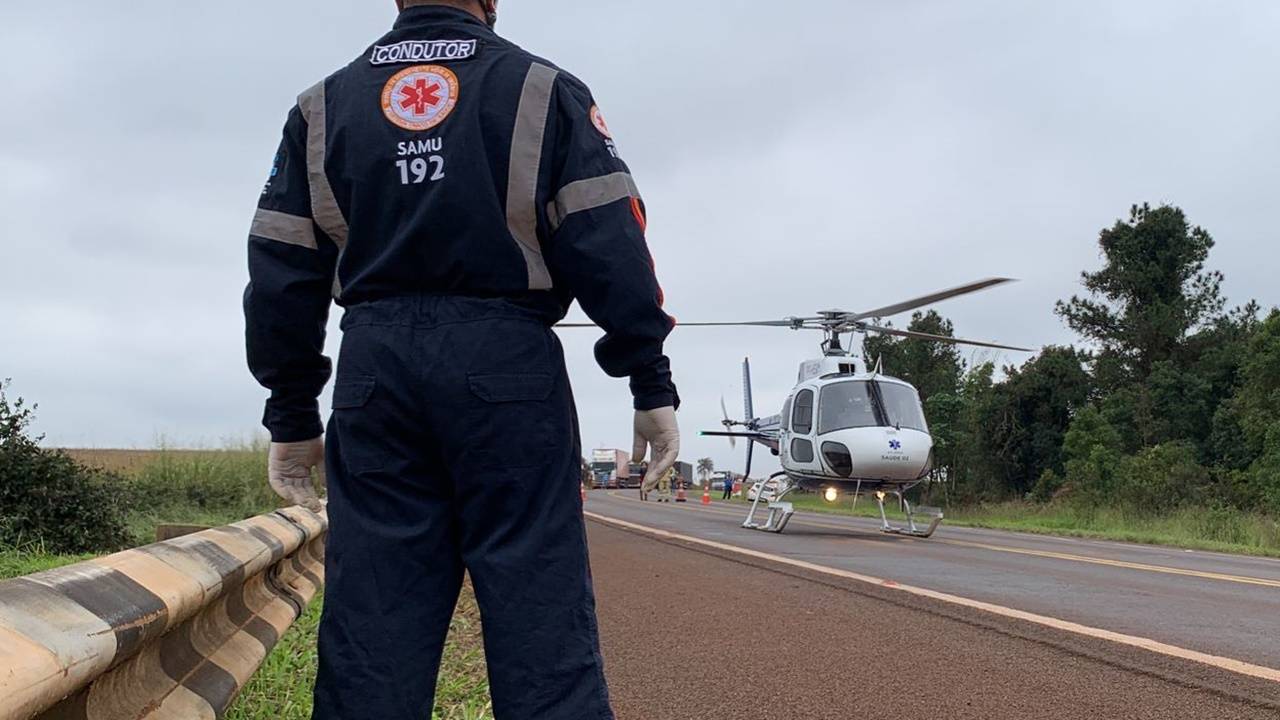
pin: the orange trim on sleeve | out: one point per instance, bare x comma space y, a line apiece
638, 210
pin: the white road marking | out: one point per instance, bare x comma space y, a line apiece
1222, 663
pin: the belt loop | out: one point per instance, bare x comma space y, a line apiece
428, 310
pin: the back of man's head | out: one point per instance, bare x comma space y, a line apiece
486, 10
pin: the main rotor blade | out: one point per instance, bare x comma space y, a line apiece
940, 338
920, 302
757, 323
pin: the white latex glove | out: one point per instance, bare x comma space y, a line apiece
289, 471
659, 430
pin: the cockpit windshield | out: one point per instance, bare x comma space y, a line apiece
902, 405
861, 403
846, 405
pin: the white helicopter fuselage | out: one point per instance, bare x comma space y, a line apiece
845, 428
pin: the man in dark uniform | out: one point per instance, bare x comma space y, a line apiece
455, 195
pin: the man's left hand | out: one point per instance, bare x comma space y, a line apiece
659, 430
289, 467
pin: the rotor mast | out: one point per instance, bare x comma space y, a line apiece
831, 322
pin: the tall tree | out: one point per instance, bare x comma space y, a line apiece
1023, 424
1252, 419
706, 466
1151, 293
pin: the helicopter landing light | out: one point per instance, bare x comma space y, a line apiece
831, 495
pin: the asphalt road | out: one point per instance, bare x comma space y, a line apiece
715, 621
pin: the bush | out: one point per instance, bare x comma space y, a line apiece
1264, 475
1046, 488
1092, 450
1161, 478
49, 501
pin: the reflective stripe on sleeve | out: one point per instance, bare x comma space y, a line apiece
590, 194
285, 228
526, 161
324, 204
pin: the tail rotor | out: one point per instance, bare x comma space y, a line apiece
729, 424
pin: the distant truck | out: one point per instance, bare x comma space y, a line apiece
722, 477
610, 468
635, 477
684, 471
684, 475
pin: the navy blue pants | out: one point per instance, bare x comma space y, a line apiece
454, 445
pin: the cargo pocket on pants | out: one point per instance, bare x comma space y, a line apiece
514, 421
360, 449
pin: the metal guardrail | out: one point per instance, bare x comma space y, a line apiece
170, 630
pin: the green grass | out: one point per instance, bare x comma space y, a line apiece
1211, 529
198, 488
189, 487
281, 689
16, 563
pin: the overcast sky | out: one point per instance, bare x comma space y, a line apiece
794, 157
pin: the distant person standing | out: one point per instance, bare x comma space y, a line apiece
728, 489
664, 485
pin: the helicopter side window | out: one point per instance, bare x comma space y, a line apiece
846, 405
802, 416
902, 405
786, 415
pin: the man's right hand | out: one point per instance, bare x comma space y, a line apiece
289, 468
659, 430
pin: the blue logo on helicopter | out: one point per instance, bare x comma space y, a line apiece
895, 445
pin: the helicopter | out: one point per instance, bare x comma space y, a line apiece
845, 429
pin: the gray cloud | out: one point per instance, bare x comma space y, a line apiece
793, 156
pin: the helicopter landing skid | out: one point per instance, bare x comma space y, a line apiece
934, 515
775, 522
779, 512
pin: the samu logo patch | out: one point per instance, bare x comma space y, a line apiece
421, 97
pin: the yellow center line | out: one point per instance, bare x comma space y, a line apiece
1164, 569
1121, 564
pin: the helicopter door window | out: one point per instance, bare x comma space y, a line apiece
802, 416
846, 405
902, 405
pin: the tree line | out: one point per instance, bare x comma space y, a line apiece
1171, 398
